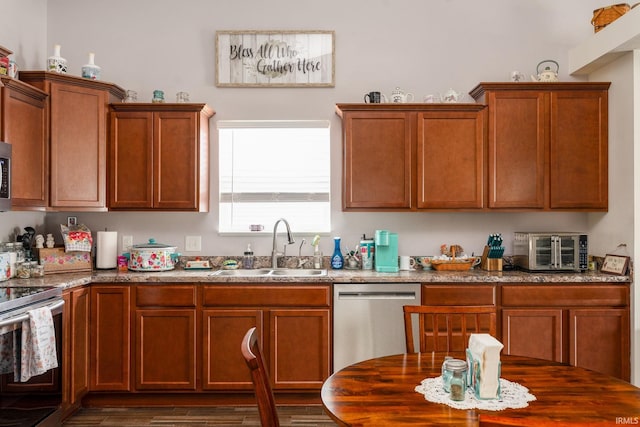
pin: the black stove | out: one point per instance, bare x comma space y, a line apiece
22, 407
15, 300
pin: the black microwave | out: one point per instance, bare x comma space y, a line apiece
5, 176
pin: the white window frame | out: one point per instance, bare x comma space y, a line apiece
225, 197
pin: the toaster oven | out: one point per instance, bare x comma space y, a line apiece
550, 251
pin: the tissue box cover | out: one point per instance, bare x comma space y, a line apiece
56, 260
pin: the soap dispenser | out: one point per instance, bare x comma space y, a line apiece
247, 259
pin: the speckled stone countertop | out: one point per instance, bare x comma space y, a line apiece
476, 276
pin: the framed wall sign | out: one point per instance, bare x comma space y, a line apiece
615, 264
275, 59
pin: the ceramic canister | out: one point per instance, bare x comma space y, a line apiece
5, 266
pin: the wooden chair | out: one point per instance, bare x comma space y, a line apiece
447, 328
260, 377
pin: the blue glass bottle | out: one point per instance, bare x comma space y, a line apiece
337, 260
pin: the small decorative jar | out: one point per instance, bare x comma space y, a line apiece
37, 270
91, 70
132, 96
23, 270
56, 63
182, 97
50, 241
454, 368
158, 96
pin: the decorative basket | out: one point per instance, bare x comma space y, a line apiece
606, 15
453, 264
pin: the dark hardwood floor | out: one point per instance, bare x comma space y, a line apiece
307, 416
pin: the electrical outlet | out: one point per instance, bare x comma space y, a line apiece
193, 243
127, 242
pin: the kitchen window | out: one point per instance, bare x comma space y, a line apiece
274, 169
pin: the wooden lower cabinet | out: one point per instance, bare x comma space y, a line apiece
75, 350
534, 333
299, 355
165, 337
609, 328
580, 324
165, 349
223, 367
154, 342
293, 322
111, 338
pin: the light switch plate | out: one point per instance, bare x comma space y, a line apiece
193, 243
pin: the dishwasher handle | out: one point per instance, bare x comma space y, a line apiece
364, 295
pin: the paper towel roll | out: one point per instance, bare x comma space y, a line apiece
107, 249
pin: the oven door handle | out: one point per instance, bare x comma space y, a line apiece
55, 307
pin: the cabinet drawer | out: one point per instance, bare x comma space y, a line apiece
565, 295
165, 296
252, 296
458, 295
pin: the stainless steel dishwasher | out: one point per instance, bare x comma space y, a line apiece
368, 320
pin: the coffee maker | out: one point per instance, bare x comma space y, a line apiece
386, 252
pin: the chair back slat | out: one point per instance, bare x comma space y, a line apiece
456, 320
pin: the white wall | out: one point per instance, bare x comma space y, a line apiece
23, 31
422, 46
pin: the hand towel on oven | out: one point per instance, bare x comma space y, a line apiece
38, 352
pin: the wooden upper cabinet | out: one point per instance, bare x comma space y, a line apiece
412, 156
578, 160
77, 112
24, 125
159, 157
377, 159
547, 145
450, 159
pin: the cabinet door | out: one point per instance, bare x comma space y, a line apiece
78, 146
579, 150
175, 160
377, 160
111, 331
24, 126
534, 333
299, 356
165, 349
79, 372
599, 340
223, 366
517, 139
131, 160
450, 153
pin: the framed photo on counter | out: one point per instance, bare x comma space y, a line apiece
275, 59
615, 264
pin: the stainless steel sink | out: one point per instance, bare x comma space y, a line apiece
281, 272
241, 272
293, 272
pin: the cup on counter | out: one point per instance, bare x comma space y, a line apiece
406, 262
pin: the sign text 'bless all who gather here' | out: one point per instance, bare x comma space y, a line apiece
275, 58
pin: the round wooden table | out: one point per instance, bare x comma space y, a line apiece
381, 392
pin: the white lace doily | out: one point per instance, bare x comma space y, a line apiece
512, 396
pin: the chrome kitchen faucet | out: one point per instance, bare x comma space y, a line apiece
274, 252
